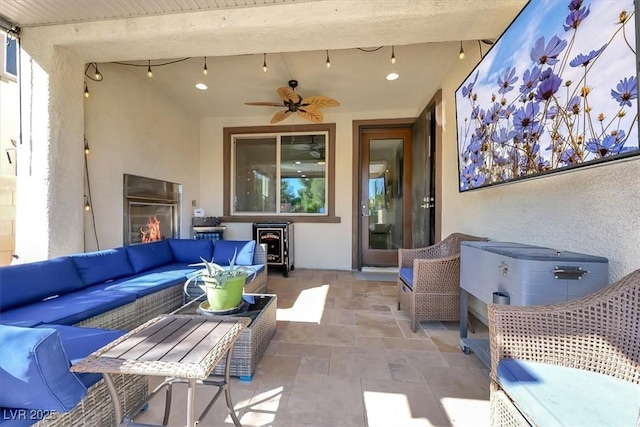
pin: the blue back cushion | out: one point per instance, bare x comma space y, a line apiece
149, 255
34, 371
25, 283
189, 251
98, 267
223, 251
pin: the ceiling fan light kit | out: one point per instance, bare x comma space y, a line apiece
294, 103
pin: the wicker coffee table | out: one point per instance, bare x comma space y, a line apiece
253, 341
180, 348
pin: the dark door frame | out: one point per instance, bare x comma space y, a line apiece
358, 128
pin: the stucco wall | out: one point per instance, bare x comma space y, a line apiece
132, 128
591, 210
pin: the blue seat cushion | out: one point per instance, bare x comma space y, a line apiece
406, 274
25, 283
190, 251
146, 256
224, 250
549, 395
79, 342
152, 280
68, 309
100, 266
34, 371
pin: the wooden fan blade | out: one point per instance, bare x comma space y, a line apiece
288, 94
280, 116
311, 114
320, 101
266, 104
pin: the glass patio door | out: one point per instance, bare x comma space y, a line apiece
385, 202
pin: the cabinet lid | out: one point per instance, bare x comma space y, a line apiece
535, 253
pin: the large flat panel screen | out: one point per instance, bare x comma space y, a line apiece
557, 91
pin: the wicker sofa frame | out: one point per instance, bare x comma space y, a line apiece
598, 333
96, 408
436, 280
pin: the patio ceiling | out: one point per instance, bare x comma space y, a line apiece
295, 34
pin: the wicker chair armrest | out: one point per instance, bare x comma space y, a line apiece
437, 275
597, 333
407, 256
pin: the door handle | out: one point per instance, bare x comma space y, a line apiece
365, 210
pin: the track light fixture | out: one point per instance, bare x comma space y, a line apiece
149, 72
393, 54
87, 205
328, 60
461, 55
86, 90
264, 63
205, 71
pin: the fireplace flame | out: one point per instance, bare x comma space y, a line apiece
151, 231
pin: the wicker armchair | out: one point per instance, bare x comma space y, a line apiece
598, 333
428, 285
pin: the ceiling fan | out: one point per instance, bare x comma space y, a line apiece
294, 103
315, 149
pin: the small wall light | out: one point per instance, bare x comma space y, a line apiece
87, 205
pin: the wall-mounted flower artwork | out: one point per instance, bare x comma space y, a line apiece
557, 90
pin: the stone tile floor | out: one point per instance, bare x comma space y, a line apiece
343, 356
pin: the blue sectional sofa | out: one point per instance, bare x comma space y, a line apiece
56, 312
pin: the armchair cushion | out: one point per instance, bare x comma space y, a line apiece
98, 267
406, 274
35, 371
224, 249
190, 251
548, 396
149, 255
26, 283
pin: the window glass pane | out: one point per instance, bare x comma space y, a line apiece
11, 63
255, 174
303, 174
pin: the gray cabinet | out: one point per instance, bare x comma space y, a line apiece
518, 274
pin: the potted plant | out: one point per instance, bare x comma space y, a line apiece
223, 285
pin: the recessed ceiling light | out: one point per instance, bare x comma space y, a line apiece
202, 86
297, 162
392, 76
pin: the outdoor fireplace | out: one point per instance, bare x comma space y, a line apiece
151, 209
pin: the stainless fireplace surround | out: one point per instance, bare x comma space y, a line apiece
148, 200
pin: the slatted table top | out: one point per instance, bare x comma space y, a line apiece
170, 345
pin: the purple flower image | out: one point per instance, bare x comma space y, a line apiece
530, 80
575, 4
547, 54
558, 89
524, 118
583, 60
548, 87
627, 91
506, 82
575, 18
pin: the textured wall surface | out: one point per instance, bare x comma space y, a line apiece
590, 210
133, 129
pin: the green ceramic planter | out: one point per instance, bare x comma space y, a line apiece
227, 297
